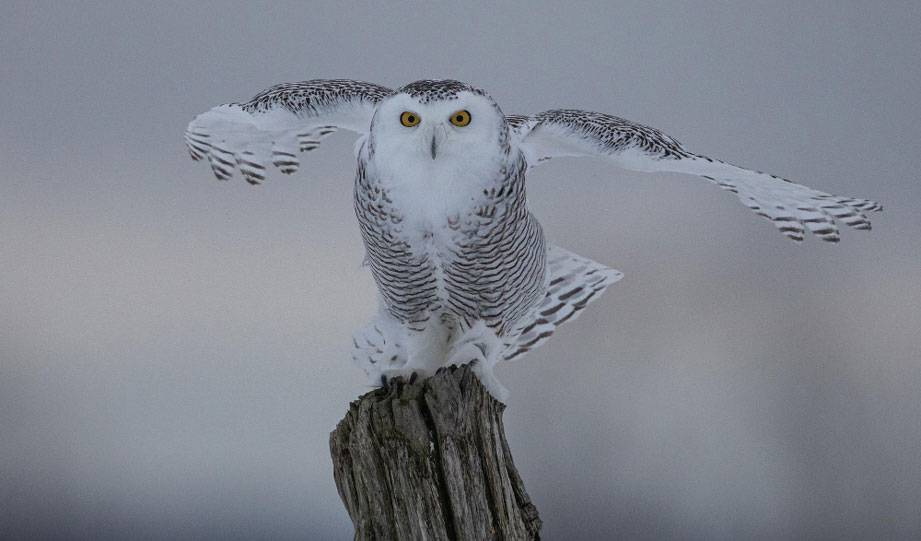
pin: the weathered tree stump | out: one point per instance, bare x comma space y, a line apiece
429, 460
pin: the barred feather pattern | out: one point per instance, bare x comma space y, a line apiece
611, 134
574, 282
494, 269
791, 207
277, 124
312, 98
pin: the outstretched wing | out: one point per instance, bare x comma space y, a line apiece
279, 122
793, 208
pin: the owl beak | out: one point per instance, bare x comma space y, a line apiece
438, 134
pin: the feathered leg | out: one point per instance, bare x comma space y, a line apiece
425, 349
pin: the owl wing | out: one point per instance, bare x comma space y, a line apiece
279, 122
575, 281
793, 208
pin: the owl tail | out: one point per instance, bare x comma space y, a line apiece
574, 282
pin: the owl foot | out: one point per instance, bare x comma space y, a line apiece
474, 354
395, 376
490, 382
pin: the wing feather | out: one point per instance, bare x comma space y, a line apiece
791, 207
575, 281
278, 123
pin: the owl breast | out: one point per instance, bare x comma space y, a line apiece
460, 248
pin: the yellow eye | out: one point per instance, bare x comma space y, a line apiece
461, 118
409, 119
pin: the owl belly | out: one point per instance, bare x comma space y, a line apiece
495, 273
498, 273
458, 258
448, 274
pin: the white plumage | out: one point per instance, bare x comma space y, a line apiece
463, 269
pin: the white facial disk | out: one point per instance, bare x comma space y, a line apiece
441, 139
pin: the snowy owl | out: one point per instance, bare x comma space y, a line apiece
463, 269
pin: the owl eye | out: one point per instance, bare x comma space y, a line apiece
409, 119
461, 118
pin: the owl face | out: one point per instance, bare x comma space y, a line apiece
438, 132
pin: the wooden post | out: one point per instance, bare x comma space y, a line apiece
429, 460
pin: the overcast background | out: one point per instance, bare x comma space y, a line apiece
174, 350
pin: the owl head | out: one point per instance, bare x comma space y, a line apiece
439, 124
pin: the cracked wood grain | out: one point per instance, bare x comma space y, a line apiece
429, 460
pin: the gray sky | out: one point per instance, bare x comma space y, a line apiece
173, 350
